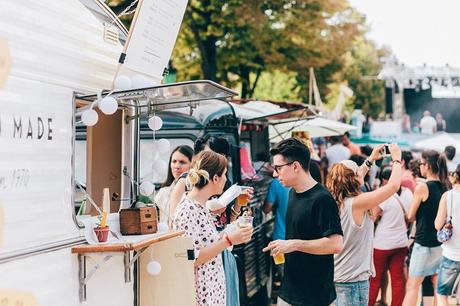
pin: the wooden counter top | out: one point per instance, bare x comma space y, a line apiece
124, 247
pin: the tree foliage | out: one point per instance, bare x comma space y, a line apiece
244, 43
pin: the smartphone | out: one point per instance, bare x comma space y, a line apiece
385, 152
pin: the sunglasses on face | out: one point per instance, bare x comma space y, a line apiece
279, 167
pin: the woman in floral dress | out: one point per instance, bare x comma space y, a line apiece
207, 176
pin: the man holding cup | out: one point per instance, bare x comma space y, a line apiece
313, 231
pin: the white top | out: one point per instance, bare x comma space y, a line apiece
162, 201
427, 124
451, 166
451, 248
336, 153
355, 262
391, 231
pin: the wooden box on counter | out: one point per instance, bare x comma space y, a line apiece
138, 221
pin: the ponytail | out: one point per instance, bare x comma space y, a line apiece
443, 173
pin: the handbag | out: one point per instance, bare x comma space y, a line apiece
445, 233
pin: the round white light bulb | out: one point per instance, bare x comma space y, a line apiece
162, 145
89, 117
146, 188
155, 123
154, 267
122, 82
108, 105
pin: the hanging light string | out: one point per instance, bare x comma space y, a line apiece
127, 11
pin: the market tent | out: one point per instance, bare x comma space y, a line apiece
438, 142
317, 127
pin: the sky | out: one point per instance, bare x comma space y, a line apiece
417, 31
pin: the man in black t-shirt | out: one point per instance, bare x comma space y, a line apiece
313, 231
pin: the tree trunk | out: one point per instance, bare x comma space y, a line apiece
244, 75
254, 85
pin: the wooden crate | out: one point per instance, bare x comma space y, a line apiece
138, 221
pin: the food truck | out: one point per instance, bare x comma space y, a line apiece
52, 53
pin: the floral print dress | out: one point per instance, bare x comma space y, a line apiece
198, 223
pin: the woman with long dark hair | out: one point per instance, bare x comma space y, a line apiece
179, 162
427, 253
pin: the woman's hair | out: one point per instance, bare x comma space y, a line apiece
385, 174
185, 150
456, 175
438, 165
217, 144
342, 183
414, 167
204, 167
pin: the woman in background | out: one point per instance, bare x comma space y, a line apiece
449, 270
179, 163
354, 266
427, 253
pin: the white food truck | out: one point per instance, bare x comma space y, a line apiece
51, 52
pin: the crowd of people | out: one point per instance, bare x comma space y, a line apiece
347, 219
384, 220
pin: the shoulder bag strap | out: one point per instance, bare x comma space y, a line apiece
402, 207
449, 212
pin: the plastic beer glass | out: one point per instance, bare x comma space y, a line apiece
243, 198
279, 259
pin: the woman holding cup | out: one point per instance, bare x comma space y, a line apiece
207, 178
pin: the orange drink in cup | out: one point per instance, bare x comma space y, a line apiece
279, 259
243, 198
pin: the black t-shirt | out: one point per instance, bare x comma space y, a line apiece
309, 279
425, 233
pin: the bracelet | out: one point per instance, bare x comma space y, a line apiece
234, 212
368, 163
230, 243
397, 161
412, 237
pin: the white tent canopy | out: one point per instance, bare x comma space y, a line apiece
438, 142
317, 127
256, 109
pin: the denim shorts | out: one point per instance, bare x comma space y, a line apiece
449, 271
424, 261
353, 293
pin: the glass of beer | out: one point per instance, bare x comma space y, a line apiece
243, 198
279, 259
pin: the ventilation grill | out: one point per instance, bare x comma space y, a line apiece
111, 34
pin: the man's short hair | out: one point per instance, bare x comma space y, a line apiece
292, 149
450, 152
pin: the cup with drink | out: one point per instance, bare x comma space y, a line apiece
279, 259
243, 198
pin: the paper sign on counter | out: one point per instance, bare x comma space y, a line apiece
17, 298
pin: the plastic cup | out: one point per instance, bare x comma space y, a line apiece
244, 221
279, 259
243, 198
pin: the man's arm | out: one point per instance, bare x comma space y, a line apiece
332, 244
328, 245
